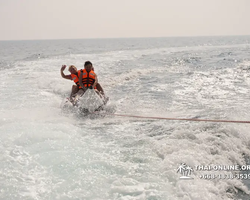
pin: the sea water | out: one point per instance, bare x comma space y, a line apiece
49, 154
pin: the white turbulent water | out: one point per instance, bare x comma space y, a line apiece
49, 154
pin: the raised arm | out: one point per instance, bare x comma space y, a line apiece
63, 75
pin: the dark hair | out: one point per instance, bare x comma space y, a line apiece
87, 63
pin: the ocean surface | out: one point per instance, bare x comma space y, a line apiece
49, 154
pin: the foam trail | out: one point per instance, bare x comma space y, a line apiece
50, 154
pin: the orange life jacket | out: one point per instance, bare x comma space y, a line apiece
76, 79
88, 78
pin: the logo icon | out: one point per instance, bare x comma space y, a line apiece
185, 171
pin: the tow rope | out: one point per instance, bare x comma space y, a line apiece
182, 119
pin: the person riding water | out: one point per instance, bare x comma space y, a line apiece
83, 79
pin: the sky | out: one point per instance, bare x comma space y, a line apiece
75, 19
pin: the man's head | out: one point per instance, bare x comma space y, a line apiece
88, 66
72, 69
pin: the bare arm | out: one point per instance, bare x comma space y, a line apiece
80, 81
63, 75
96, 81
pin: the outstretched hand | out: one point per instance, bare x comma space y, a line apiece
63, 67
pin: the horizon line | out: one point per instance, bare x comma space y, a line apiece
121, 38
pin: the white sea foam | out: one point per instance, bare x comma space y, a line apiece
49, 154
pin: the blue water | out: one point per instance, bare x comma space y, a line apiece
50, 154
